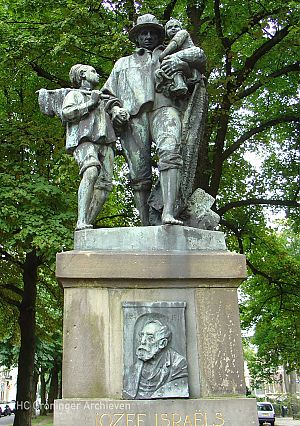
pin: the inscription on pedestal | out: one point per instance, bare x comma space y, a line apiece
155, 363
179, 412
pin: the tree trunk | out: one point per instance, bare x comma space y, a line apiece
217, 166
43, 411
60, 384
34, 391
53, 391
25, 382
292, 389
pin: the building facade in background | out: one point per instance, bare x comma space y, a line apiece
8, 384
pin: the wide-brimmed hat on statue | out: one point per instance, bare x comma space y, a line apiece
146, 21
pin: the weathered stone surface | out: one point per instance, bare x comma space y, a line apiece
93, 336
198, 213
219, 340
150, 238
97, 283
197, 412
113, 269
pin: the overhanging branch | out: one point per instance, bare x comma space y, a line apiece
9, 300
233, 228
283, 71
287, 118
256, 271
82, 49
271, 280
254, 21
257, 201
4, 255
13, 288
45, 74
219, 28
259, 53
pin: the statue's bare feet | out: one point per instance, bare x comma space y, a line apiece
168, 219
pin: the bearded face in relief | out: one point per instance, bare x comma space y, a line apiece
153, 338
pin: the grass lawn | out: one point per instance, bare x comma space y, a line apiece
43, 421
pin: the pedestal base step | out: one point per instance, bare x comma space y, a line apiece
150, 238
170, 412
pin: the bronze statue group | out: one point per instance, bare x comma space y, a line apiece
150, 97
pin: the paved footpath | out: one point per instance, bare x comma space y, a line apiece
8, 420
286, 421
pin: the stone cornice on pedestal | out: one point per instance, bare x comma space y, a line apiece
113, 266
119, 257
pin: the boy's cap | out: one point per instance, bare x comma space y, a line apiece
74, 74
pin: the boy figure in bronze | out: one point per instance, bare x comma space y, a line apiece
89, 116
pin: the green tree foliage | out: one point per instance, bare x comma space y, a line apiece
252, 74
36, 219
39, 183
271, 304
37, 213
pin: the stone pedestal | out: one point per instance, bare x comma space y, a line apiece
96, 282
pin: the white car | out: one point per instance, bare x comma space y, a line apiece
266, 413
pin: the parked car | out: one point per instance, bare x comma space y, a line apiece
266, 413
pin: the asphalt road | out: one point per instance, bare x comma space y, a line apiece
7, 420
